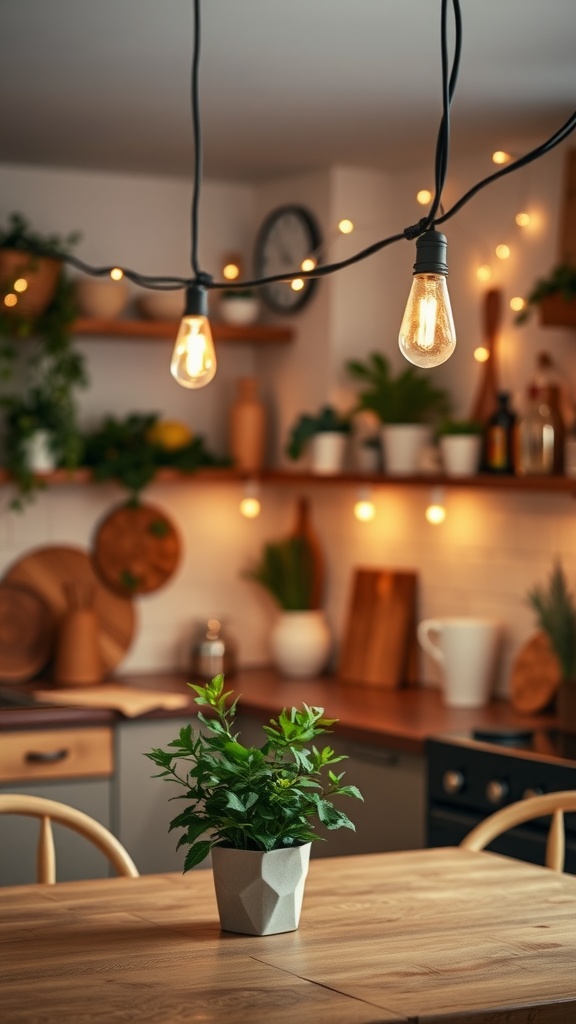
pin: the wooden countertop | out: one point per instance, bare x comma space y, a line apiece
426, 936
402, 719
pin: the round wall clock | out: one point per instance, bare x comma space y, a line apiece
288, 235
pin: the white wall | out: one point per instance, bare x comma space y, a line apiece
493, 546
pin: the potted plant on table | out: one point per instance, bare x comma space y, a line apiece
323, 437
556, 611
406, 405
460, 446
255, 809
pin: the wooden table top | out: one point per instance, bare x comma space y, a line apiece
441, 936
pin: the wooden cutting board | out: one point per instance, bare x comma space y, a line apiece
27, 632
136, 549
379, 636
53, 571
535, 675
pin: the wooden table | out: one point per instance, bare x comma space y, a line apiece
432, 936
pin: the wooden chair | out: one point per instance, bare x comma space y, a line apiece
526, 810
51, 810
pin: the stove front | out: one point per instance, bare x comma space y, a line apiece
470, 777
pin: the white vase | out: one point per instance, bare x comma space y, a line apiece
327, 450
260, 893
461, 453
402, 444
300, 642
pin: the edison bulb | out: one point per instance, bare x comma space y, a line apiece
194, 359
427, 336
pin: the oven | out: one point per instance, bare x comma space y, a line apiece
470, 777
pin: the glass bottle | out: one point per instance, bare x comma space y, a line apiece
540, 433
499, 441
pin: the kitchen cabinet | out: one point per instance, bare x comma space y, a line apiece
73, 766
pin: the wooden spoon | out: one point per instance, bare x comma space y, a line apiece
486, 396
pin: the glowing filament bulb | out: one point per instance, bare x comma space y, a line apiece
522, 219
20, 285
481, 354
501, 157
10, 299
297, 284
427, 335
308, 264
435, 511
116, 273
345, 226
517, 303
364, 508
424, 196
194, 359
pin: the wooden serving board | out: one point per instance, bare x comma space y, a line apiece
379, 637
535, 675
136, 549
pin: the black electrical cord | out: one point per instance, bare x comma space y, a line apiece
167, 283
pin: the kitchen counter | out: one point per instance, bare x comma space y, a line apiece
400, 719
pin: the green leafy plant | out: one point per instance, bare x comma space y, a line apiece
459, 428
18, 234
286, 571
561, 281
252, 798
122, 450
327, 420
556, 613
409, 397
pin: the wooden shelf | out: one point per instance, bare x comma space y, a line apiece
142, 330
208, 475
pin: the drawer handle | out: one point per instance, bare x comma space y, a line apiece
46, 756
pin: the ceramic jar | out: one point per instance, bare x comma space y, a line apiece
301, 643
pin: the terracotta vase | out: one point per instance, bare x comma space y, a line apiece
247, 427
78, 659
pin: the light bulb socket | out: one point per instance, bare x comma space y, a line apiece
431, 250
196, 301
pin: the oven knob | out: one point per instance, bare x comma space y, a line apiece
452, 782
496, 791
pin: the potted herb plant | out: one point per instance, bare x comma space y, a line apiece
239, 306
300, 638
554, 296
556, 612
460, 446
254, 809
323, 437
30, 265
406, 405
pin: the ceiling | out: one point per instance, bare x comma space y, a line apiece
286, 85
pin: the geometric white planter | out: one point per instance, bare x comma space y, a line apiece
260, 893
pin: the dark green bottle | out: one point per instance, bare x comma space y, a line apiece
500, 438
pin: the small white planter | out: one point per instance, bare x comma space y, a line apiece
38, 452
461, 453
402, 445
327, 450
260, 893
300, 644
239, 310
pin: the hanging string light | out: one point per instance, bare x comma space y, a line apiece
194, 360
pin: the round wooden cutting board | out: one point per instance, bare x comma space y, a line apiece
136, 549
55, 572
27, 633
535, 675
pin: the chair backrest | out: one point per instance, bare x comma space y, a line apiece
526, 810
51, 810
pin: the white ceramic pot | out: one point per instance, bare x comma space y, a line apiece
260, 893
402, 444
38, 452
101, 297
300, 642
327, 450
239, 310
461, 453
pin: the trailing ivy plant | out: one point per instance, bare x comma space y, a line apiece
252, 798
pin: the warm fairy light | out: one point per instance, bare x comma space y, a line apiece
364, 507
297, 284
481, 354
10, 299
424, 196
231, 271
502, 252
116, 273
501, 157
346, 227
522, 219
308, 264
484, 273
435, 514
517, 303
250, 508
20, 285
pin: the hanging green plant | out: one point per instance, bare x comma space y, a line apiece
561, 281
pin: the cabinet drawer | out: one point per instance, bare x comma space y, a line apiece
55, 754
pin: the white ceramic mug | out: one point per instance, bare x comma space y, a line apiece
465, 650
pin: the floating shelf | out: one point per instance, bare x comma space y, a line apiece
141, 330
